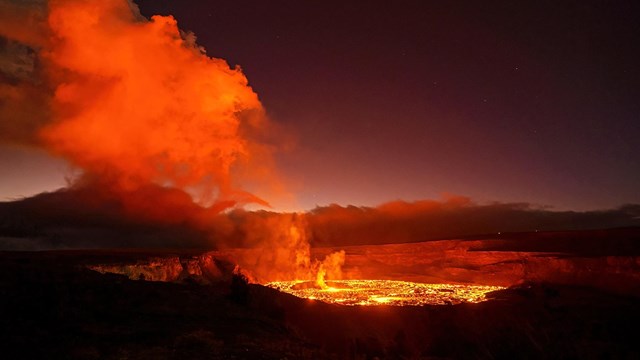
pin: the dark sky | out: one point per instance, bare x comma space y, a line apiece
500, 101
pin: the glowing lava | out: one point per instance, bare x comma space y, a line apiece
385, 292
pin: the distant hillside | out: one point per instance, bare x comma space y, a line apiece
82, 218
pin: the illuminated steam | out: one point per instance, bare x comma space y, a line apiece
152, 121
139, 102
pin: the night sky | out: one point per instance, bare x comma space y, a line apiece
498, 101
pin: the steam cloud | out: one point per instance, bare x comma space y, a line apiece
134, 102
277, 247
151, 120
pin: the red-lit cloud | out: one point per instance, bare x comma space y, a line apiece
136, 102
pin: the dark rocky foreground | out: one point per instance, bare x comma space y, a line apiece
52, 306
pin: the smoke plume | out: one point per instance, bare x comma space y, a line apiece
275, 246
153, 122
135, 102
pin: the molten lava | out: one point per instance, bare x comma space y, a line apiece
385, 292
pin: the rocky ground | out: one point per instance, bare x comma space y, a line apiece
53, 306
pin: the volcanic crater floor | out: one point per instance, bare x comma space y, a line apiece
54, 306
385, 292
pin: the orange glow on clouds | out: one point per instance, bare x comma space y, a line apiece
138, 102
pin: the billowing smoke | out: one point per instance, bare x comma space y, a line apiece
138, 102
271, 246
163, 133
25, 95
133, 102
275, 245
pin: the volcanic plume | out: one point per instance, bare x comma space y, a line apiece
161, 131
137, 102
